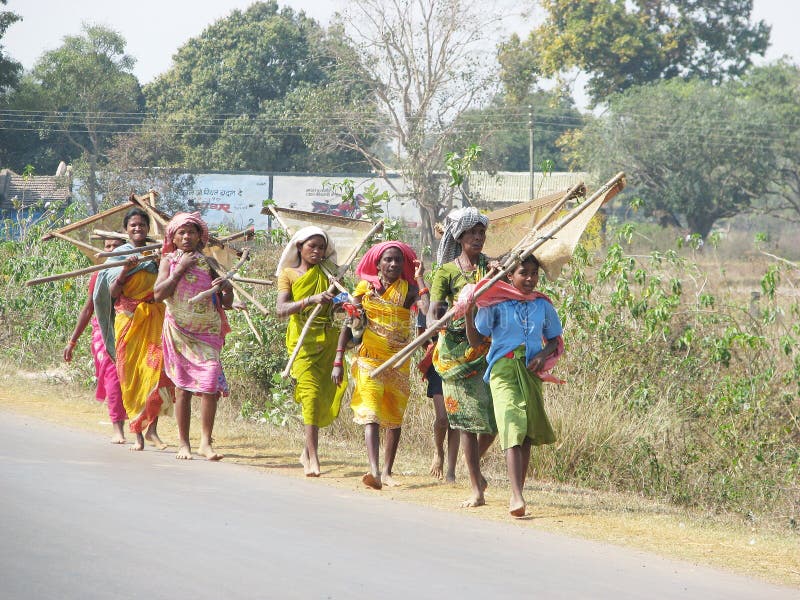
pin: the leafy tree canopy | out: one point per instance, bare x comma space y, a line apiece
9, 68
694, 152
621, 44
89, 94
774, 90
230, 94
503, 130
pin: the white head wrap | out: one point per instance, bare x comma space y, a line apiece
455, 224
291, 255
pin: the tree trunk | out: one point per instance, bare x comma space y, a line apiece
93, 183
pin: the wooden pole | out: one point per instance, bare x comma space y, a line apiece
334, 286
66, 238
129, 251
402, 355
243, 292
241, 279
227, 276
83, 271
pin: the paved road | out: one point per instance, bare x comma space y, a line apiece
85, 519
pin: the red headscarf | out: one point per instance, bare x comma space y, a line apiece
180, 219
367, 268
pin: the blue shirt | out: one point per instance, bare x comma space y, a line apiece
513, 323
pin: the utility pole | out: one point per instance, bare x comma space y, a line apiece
530, 149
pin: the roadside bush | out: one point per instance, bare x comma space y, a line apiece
683, 370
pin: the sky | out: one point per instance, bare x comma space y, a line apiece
155, 29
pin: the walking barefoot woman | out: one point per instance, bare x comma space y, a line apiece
301, 285
133, 329
467, 398
194, 333
386, 292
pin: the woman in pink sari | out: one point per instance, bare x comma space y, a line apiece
104, 368
194, 333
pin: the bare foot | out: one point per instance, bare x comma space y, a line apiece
207, 451
437, 467
184, 453
119, 433
138, 445
389, 481
153, 439
450, 478
484, 483
371, 481
473, 502
309, 472
313, 464
516, 508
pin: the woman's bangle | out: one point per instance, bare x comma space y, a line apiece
340, 351
72, 344
423, 291
337, 363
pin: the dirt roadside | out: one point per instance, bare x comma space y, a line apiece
614, 518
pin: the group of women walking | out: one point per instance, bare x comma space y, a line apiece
391, 283
162, 344
153, 348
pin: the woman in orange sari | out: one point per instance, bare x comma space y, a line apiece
133, 330
387, 291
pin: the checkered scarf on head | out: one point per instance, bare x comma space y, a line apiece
455, 224
367, 268
291, 255
178, 221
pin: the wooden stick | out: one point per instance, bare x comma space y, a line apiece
66, 238
250, 298
245, 233
129, 251
83, 271
334, 286
227, 277
82, 222
405, 353
252, 327
241, 279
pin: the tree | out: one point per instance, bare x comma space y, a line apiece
622, 44
9, 68
503, 130
90, 94
693, 152
425, 63
231, 94
147, 158
774, 89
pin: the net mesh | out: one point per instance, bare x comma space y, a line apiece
349, 234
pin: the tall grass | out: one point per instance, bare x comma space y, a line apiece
682, 384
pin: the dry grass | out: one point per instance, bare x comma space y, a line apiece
604, 516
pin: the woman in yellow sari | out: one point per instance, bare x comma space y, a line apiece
301, 285
386, 292
137, 322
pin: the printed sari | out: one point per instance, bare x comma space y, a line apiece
382, 399
318, 395
194, 334
146, 390
105, 370
467, 397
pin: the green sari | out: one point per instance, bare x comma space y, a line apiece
314, 390
467, 398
